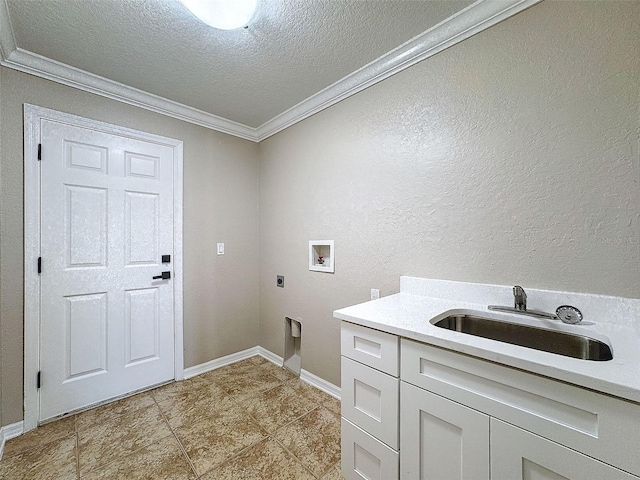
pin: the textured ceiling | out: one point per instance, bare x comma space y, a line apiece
291, 50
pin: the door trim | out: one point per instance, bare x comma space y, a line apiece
33, 116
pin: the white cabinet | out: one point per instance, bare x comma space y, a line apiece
441, 439
451, 416
370, 403
520, 455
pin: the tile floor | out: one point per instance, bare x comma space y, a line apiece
250, 420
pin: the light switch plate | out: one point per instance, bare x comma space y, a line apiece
221, 249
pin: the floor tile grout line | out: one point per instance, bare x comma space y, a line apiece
317, 405
295, 456
235, 399
236, 403
131, 452
35, 447
297, 418
284, 424
235, 455
304, 414
297, 459
337, 465
272, 434
175, 435
267, 435
103, 466
105, 407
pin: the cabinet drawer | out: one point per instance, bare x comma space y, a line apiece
520, 455
364, 457
581, 419
371, 347
370, 401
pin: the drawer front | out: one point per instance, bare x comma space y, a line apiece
603, 427
371, 347
364, 457
370, 401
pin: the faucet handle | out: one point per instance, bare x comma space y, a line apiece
519, 298
569, 314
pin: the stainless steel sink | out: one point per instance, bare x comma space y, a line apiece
553, 341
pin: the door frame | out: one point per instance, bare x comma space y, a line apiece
33, 116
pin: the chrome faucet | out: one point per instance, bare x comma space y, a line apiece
520, 305
566, 313
519, 299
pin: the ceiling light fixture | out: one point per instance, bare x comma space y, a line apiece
222, 14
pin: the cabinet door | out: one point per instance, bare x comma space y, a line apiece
582, 420
520, 455
441, 439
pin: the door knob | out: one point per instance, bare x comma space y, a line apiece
163, 276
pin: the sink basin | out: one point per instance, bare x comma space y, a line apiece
553, 341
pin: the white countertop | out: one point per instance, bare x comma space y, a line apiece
611, 319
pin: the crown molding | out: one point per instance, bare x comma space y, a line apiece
475, 18
7, 39
34, 64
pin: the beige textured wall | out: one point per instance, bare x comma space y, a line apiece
511, 158
220, 205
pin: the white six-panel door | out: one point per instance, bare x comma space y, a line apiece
106, 327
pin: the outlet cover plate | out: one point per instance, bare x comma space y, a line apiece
280, 281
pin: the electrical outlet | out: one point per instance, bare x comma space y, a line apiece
280, 281
375, 294
221, 249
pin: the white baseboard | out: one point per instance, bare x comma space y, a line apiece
220, 362
320, 383
8, 432
305, 375
269, 355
